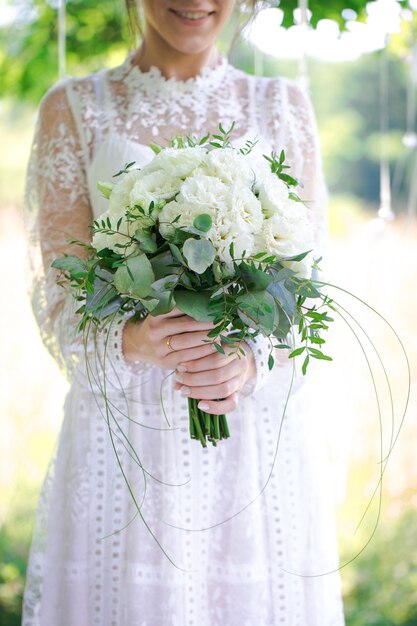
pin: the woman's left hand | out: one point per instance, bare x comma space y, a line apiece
216, 376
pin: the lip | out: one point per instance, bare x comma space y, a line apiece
192, 22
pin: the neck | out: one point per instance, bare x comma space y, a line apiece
172, 63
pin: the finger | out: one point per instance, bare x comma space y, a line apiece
174, 357
210, 362
220, 407
187, 340
213, 392
214, 376
183, 324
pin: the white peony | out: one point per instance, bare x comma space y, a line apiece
125, 230
176, 162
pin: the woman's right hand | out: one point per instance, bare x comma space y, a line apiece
167, 340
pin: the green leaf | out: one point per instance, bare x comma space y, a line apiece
177, 254
283, 323
252, 310
296, 257
194, 303
254, 279
317, 340
284, 297
306, 289
146, 242
199, 253
296, 352
165, 302
218, 348
135, 277
271, 362
167, 283
155, 147
104, 300
163, 265
317, 354
203, 222
75, 266
105, 188
305, 364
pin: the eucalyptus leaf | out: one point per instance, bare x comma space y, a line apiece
135, 277
203, 222
104, 300
283, 323
254, 279
146, 242
166, 302
285, 298
199, 254
194, 303
162, 265
167, 283
252, 310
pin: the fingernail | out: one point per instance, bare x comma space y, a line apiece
181, 368
178, 377
203, 406
185, 391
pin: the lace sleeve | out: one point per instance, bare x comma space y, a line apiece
58, 209
304, 154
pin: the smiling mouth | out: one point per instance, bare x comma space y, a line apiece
192, 15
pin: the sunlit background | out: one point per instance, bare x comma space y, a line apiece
361, 68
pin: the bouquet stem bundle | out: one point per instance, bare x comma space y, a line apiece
206, 427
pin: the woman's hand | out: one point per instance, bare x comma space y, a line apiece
215, 376
167, 340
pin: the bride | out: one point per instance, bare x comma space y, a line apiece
188, 559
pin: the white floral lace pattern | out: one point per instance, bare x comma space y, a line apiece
93, 561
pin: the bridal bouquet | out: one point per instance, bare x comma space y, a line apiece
216, 231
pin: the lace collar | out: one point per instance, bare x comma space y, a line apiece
153, 80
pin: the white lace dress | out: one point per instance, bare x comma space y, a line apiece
264, 566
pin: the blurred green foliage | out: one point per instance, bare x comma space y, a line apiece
381, 585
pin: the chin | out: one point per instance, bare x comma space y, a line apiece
191, 45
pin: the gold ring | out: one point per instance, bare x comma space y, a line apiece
168, 342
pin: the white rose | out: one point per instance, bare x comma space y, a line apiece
228, 165
177, 162
102, 240
120, 195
